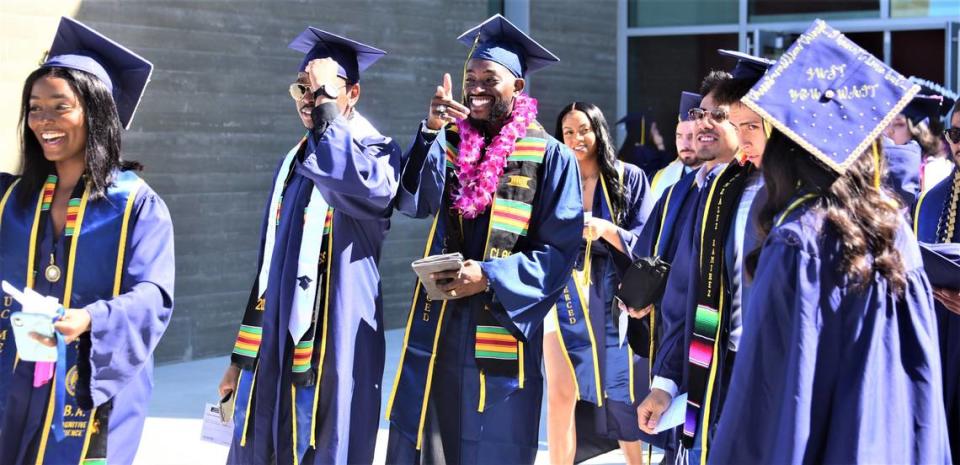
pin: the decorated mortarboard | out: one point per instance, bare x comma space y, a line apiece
942, 264
830, 96
126, 74
923, 107
748, 67
688, 101
351, 56
499, 41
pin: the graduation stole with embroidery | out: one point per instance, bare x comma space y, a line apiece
710, 317
496, 350
96, 235
578, 330
311, 302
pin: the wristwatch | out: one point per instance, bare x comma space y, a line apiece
333, 92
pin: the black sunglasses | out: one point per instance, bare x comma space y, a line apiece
952, 134
717, 114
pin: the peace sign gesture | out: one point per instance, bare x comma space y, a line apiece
443, 108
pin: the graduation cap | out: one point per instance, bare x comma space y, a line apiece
688, 100
748, 67
830, 96
351, 56
635, 120
942, 264
126, 74
924, 107
499, 41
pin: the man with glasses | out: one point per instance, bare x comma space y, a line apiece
305, 373
935, 221
701, 306
686, 160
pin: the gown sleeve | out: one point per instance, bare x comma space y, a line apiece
679, 296
125, 330
528, 283
357, 177
640, 204
423, 176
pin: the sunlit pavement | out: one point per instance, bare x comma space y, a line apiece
172, 432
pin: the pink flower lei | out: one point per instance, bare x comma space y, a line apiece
479, 179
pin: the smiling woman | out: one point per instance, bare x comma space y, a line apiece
104, 243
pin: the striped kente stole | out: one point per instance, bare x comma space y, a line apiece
497, 351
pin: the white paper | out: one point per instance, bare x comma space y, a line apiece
33, 302
213, 430
622, 323
675, 414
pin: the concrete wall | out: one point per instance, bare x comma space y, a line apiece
583, 34
217, 117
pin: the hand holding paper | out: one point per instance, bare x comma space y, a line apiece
33, 326
427, 266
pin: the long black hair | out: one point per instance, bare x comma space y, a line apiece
863, 216
102, 152
606, 155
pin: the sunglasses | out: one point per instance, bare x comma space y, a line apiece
299, 90
952, 134
718, 114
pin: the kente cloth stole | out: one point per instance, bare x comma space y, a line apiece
310, 302
578, 330
96, 236
710, 317
497, 351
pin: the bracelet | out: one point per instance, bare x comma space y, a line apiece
426, 129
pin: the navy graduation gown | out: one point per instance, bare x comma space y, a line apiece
926, 220
526, 283
356, 170
624, 374
124, 331
826, 374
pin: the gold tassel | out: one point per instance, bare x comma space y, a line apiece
876, 166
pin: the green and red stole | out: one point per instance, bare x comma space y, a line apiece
577, 330
497, 351
710, 318
97, 233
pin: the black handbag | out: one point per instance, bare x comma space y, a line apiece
642, 285
644, 282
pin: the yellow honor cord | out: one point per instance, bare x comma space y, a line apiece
876, 166
643, 130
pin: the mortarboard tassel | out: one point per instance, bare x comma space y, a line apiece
876, 166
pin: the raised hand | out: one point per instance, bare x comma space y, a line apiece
443, 108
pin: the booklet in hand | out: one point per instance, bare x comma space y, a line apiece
435, 264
